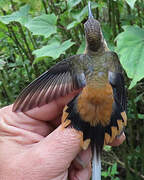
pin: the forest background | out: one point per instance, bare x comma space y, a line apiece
36, 34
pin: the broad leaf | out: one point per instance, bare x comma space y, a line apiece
131, 3
20, 16
53, 50
82, 47
36, 5
79, 15
5, 4
64, 18
72, 3
130, 45
43, 25
73, 24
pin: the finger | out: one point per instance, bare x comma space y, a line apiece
83, 174
56, 151
22, 125
83, 159
118, 140
52, 110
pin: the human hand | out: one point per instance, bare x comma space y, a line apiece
33, 145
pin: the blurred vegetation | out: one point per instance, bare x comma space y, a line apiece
36, 34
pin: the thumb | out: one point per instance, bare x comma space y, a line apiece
58, 150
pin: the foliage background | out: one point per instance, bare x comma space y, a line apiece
34, 35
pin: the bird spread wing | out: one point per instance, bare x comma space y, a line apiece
60, 80
116, 80
118, 117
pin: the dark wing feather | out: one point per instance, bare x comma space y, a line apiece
60, 80
118, 116
116, 80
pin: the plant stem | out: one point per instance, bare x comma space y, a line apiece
129, 13
13, 5
6, 87
12, 35
118, 16
45, 6
32, 39
18, 45
139, 14
29, 54
109, 11
97, 13
113, 19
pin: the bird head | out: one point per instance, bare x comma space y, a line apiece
93, 32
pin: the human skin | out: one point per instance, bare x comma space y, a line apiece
34, 146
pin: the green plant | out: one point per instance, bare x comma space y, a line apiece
111, 172
32, 31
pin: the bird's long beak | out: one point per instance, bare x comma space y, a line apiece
89, 9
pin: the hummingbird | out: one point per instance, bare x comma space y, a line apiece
99, 110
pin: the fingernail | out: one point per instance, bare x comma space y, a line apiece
81, 162
121, 136
118, 140
84, 157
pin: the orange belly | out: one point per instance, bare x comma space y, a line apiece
95, 105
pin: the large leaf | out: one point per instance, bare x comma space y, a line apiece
73, 24
72, 3
130, 46
131, 3
5, 4
54, 50
79, 15
43, 25
36, 5
20, 16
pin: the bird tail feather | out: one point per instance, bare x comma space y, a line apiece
96, 165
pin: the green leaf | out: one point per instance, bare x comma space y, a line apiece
131, 3
54, 49
73, 24
35, 5
105, 174
109, 171
82, 47
141, 116
20, 16
81, 14
114, 169
2, 64
130, 45
72, 3
107, 148
5, 4
116, 178
43, 25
